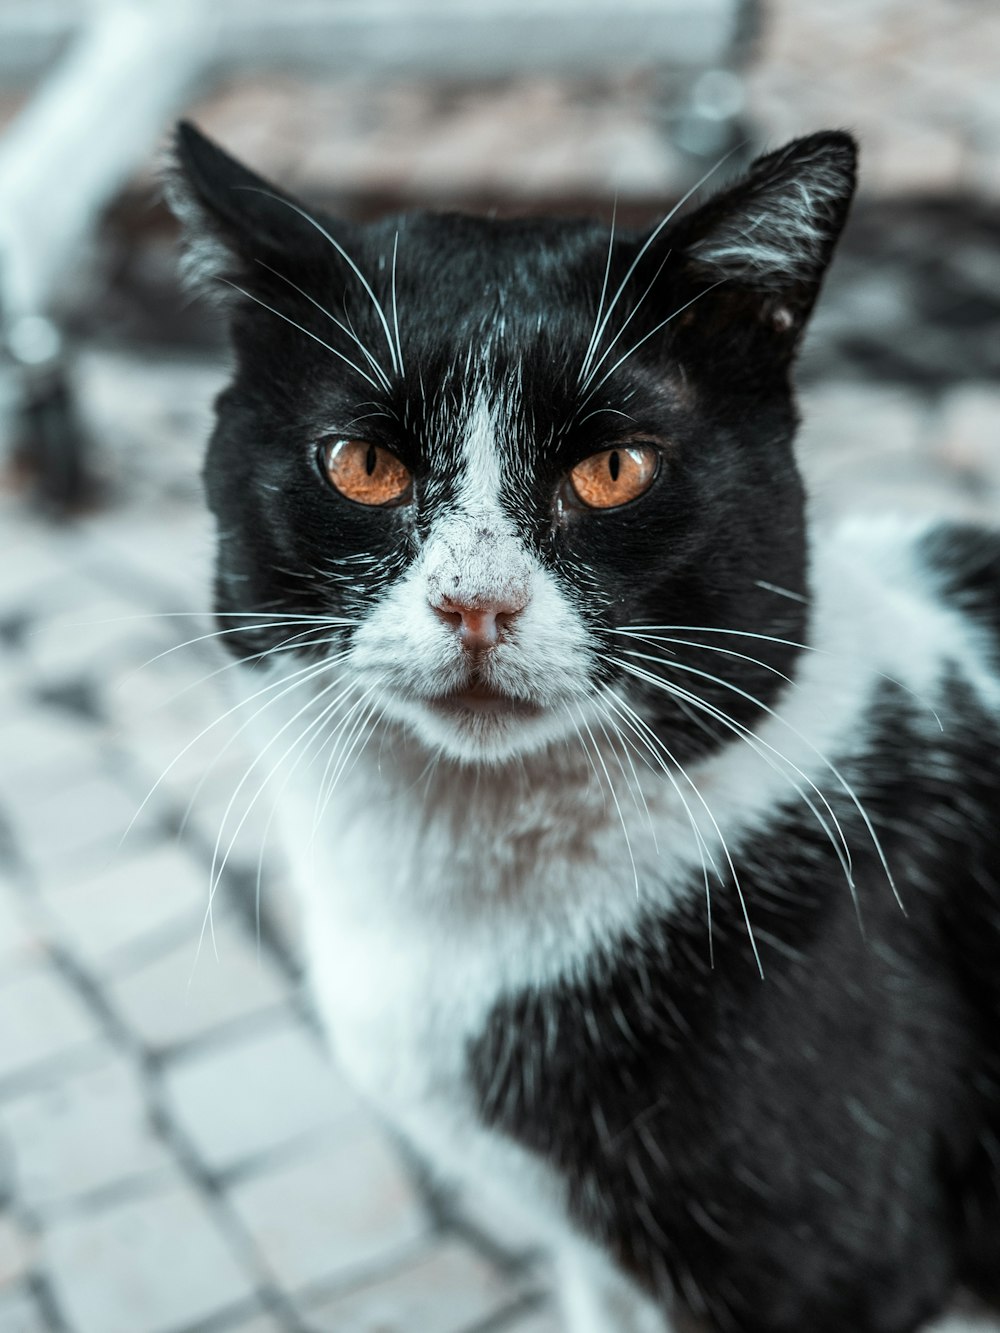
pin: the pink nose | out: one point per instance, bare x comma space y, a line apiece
480, 625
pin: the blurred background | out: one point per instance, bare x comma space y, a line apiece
175, 1152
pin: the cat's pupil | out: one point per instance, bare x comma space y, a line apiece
370, 460
614, 465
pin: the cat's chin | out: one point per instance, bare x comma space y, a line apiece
482, 726
479, 699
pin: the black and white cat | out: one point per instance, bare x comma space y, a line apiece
649, 848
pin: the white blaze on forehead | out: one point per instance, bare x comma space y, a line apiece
479, 486
474, 550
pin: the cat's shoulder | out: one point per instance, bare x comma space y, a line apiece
915, 580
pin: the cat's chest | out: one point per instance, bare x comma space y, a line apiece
421, 919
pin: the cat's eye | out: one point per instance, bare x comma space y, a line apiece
365, 472
615, 476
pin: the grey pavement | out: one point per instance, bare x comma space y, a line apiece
177, 1154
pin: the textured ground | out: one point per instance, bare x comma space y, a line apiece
175, 1152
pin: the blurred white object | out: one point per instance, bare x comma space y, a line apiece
130, 65
84, 132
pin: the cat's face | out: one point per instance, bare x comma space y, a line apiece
502, 465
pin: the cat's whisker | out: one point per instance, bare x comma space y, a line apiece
594, 334
395, 309
707, 647
612, 411
269, 194
253, 663
646, 337
318, 735
296, 677
386, 383
634, 783
353, 746
567, 741
650, 241
311, 702
646, 631
834, 770
585, 385
782, 592
302, 329
218, 867
640, 724
614, 797
759, 746
349, 724
631, 718
294, 643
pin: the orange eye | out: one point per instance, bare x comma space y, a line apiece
366, 473
615, 476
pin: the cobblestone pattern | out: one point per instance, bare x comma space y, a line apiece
175, 1151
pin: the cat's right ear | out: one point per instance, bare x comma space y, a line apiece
236, 225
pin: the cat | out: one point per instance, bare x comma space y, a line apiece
647, 840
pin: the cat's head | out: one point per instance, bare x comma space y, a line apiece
493, 476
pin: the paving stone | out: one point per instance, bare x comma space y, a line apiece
73, 826
96, 636
847, 420
173, 556
538, 1321
42, 560
968, 432
106, 916
148, 1265
17, 1250
340, 1212
161, 706
21, 939
87, 1130
446, 1291
46, 749
175, 998
237, 1099
41, 1018
19, 1313
235, 811
262, 1323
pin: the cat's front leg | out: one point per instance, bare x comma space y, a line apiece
595, 1298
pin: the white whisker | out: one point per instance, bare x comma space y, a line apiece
269, 194
302, 329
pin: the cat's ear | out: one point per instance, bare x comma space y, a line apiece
771, 235
235, 224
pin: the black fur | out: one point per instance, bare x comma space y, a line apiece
813, 1152
817, 1150
712, 384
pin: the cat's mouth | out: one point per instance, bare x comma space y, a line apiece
479, 697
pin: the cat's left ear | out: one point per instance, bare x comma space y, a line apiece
769, 238
236, 225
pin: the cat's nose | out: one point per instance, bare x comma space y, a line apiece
479, 624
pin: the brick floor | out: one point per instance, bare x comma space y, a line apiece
339, 1213
116, 1270
175, 1152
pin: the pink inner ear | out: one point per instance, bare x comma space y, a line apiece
782, 318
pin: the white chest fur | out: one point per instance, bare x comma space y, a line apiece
429, 897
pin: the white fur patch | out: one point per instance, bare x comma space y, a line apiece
434, 888
473, 553
780, 236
